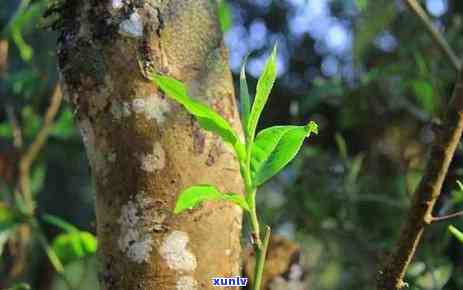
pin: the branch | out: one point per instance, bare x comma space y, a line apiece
447, 217
434, 33
420, 214
33, 150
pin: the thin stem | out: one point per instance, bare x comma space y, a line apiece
434, 33
254, 220
447, 217
34, 149
261, 254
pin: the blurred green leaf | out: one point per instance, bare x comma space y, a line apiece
424, 93
31, 122
19, 286
64, 125
74, 245
8, 217
225, 15
457, 233
60, 223
9, 220
24, 83
275, 147
435, 278
361, 4
27, 14
193, 196
375, 18
37, 178
5, 130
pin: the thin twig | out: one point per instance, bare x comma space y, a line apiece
3, 57
34, 149
447, 217
420, 214
15, 128
434, 33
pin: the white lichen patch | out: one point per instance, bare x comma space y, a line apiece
153, 107
174, 251
187, 283
132, 27
120, 110
87, 133
117, 4
138, 105
134, 240
95, 154
155, 160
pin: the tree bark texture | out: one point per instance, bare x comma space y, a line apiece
143, 148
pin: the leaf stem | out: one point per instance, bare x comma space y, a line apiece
254, 220
261, 254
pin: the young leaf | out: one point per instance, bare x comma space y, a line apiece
74, 245
207, 118
457, 233
264, 86
245, 100
193, 196
275, 147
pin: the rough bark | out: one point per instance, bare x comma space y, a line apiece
143, 148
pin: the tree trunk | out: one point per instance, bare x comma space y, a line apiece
144, 149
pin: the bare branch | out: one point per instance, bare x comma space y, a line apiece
434, 33
34, 149
420, 214
447, 217
15, 127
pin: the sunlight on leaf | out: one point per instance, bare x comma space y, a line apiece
264, 86
456, 233
193, 196
207, 118
275, 147
74, 245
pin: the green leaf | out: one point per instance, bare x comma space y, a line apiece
60, 223
193, 196
275, 147
457, 233
8, 218
424, 93
264, 86
207, 118
74, 245
245, 99
361, 4
225, 15
460, 185
375, 18
19, 286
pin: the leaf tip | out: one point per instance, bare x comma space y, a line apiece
311, 127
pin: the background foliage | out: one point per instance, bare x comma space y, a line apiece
365, 70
